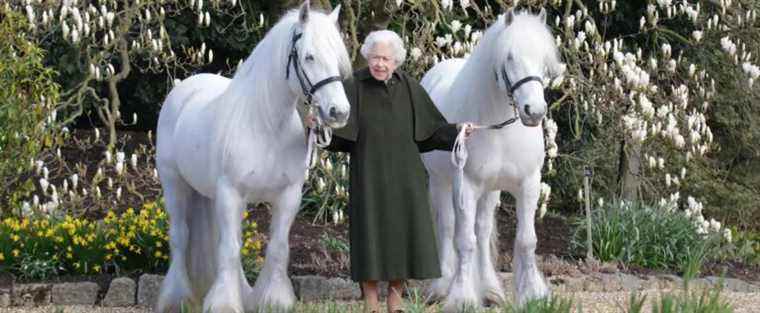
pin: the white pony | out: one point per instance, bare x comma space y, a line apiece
222, 143
503, 76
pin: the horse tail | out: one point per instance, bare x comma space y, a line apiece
201, 250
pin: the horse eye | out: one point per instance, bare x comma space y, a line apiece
309, 58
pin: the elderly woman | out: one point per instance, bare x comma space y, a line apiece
392, 121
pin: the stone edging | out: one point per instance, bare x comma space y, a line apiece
125, 292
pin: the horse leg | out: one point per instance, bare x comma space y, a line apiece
175, 288
224, 295
273, 289
443, 209
529, 283
490, 285
462, 294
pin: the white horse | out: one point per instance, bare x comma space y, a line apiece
503, 76
222, 143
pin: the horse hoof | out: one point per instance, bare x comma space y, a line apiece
224, 309
494, 298
461, 302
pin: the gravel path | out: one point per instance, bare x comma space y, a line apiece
591, 302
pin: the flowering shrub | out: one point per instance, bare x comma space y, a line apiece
27, 116
326, 190
651, 236
41, 245
106, 41
83, 176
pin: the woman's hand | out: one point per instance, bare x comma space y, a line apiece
468, 129
310, 120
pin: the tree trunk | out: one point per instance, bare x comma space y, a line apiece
629, 170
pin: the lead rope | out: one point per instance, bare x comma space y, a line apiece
459, 157
319, 135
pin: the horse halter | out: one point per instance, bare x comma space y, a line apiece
519, 83
512, 87
307, 87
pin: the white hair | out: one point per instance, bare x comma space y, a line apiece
388, 37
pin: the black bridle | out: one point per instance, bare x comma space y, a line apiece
307, 87
511, 88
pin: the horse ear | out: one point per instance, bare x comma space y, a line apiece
334, 14
303, 14
542, 15
509, 17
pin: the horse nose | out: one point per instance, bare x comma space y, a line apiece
535, 111
337, 115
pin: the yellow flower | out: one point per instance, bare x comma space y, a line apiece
2, 257
15, 237
157, 254
15, 252
96, 268
159, 244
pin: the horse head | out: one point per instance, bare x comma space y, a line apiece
317, 61
526, 54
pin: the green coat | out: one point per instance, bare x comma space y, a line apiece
390, 225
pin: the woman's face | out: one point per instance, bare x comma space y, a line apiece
381, 61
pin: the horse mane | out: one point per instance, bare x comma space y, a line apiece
254, 96
527, 33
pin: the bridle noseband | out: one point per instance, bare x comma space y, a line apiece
307, 87
508, 84
511, 88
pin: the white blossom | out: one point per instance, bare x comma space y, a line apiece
74, 180
415, 53
697, 35
727, 235
320, 184
447, 4
456, 25
44, 184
